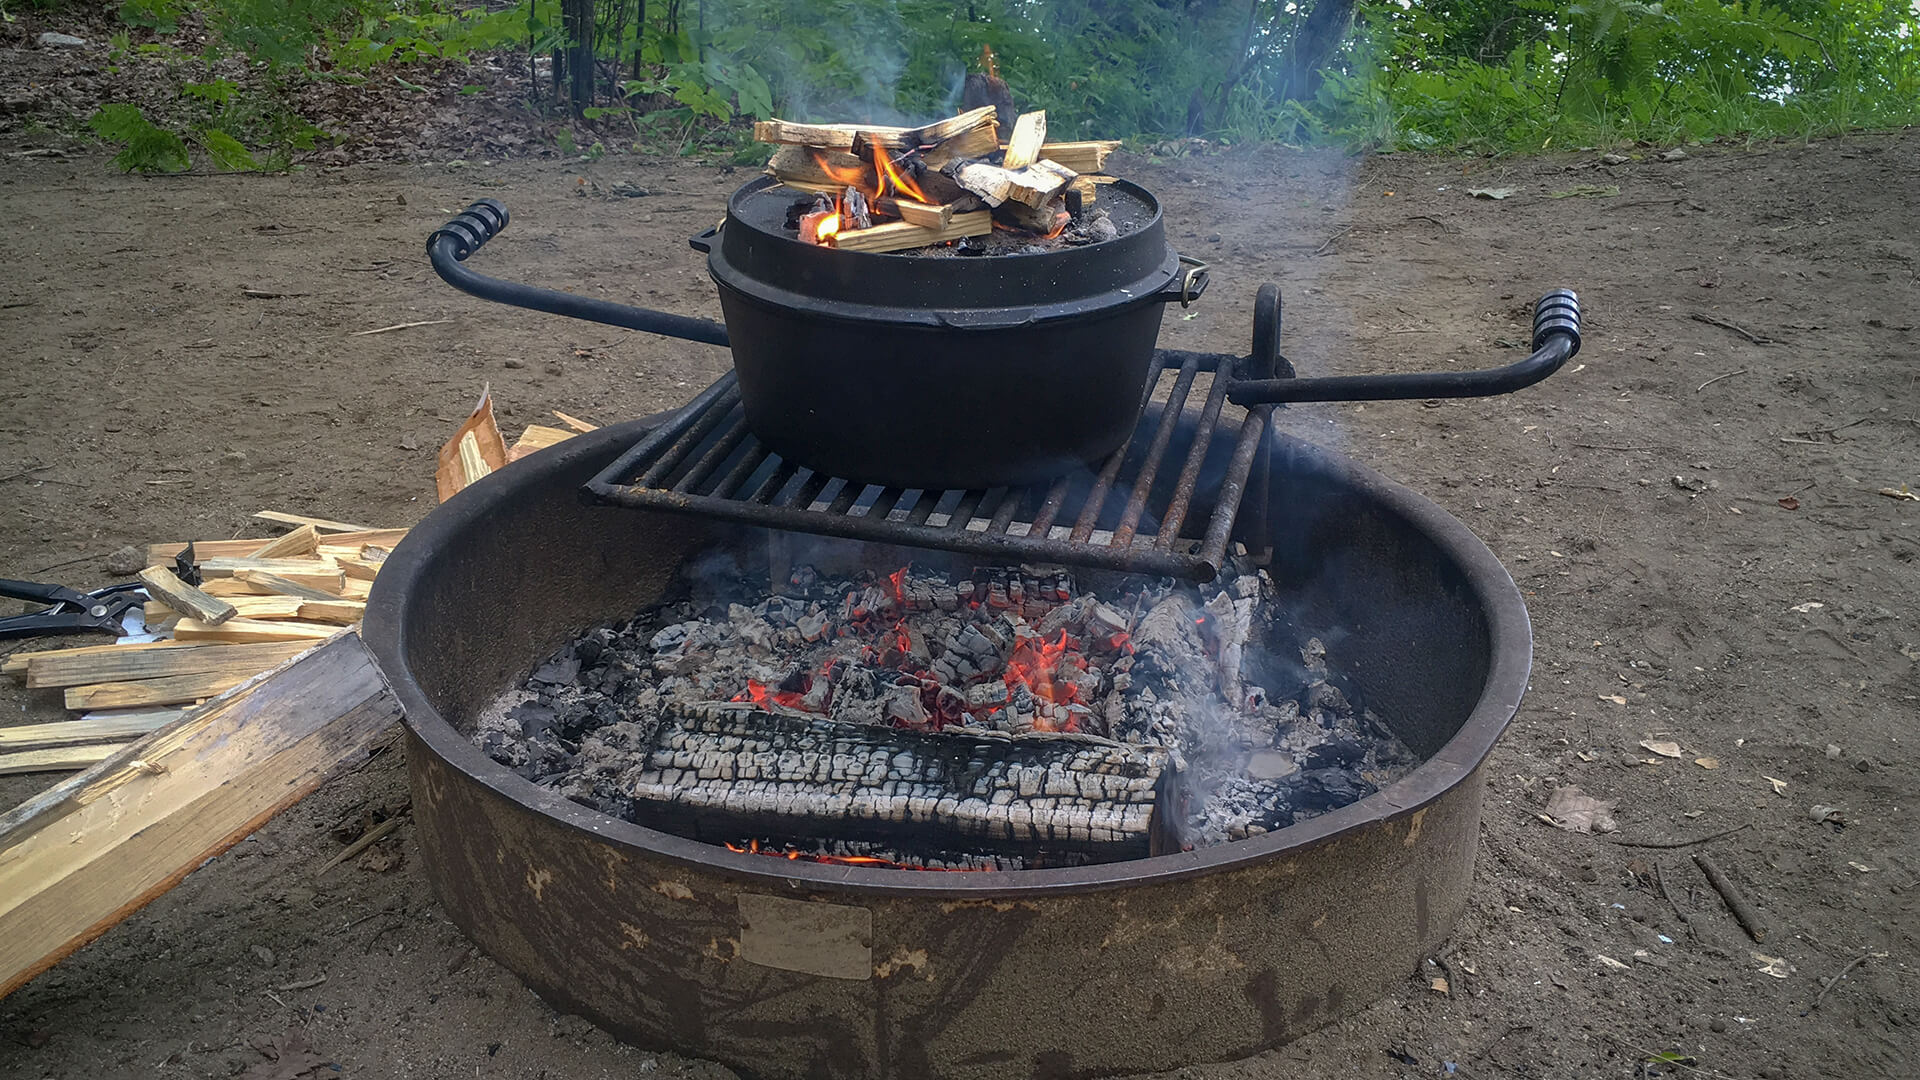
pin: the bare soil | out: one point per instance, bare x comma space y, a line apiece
1693, 515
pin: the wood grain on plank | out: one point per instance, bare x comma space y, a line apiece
98, 846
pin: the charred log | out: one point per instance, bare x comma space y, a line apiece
721, 773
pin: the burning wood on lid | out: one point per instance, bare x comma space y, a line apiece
897, 189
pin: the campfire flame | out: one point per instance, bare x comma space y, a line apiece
753, 847
887, 181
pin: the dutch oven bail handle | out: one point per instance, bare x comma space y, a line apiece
451, 244
1556, 338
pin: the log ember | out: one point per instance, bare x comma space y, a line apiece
723, 772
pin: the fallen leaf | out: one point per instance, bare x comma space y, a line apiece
1438, 985
1779, 785
1611, 962
1576, 811
1664, 749
1809, 606
1789, 503
1615, 698
1903, 493
1492, 192
1860, 866
1775, 966
1707, 762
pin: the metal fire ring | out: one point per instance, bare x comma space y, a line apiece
796, 969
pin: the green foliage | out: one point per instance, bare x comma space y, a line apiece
146, 147
1495, 75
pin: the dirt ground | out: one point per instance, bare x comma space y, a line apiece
1691, 509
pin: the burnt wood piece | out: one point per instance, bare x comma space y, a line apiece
812, 166
986, 88
730, 773
845, 136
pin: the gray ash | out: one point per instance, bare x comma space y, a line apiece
1202, 672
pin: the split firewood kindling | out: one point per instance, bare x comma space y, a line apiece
931, 177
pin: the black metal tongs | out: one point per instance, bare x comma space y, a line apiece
69, 611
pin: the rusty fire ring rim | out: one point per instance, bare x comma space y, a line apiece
1509, 633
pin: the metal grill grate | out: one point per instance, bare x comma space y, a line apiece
1131, 513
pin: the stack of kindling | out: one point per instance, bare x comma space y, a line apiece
892, 189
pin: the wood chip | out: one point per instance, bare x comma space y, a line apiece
165, 586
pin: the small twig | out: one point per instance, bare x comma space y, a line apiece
1725, 325
1624, 449
1322, 249
23, 472
1717, 378
303, 984
1669, 845
1736, 901
373, 836
1444, 227
1835, 981
1660, 881
399, 326
70, 562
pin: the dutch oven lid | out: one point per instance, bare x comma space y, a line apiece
756, 254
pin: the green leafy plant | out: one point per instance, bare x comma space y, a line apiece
145, 147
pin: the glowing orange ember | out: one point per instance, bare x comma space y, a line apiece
752, 847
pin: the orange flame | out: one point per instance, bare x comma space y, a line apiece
890, 180
752, 847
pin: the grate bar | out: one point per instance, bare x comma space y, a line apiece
1176, 515
704, 461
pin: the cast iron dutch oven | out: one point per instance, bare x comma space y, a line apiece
917, 371
942, 372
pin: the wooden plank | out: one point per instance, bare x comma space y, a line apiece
842, 136
323, 524
820, 170
110, 728
229, 566
165, 586
360, 568
99, 846
229, 587
537, 437
251, 631
267, 607
300, 542
475, 451
305, 586
355, 589
337, 612
18, 664
978, 142
1081, 157
901, 235
56, 759
925, 215
119, 663
1023, 146
165, 690
385, 538
158, 554
576, 423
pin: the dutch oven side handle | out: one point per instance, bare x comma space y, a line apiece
1187, 285
1556, 338
451, 244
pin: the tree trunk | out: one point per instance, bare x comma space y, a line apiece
639, 34
1314, 44
577, 17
